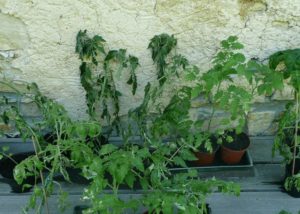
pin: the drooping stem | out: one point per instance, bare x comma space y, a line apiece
296, 134
42, 177
8, 157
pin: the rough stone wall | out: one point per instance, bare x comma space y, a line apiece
37, 39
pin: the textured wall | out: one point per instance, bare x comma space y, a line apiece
37, 37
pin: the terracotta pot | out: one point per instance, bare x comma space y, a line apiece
232, 153
205, 158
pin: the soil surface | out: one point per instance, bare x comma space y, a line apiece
240, 141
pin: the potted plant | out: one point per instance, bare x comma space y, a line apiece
221, 90
207, 149
234, 146
287, 140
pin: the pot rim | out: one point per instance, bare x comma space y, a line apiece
235, 151
213, 152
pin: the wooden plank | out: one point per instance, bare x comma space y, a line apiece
254, 203
261, 150
246, 203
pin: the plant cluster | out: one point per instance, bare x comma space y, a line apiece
168, 136
287, 140
220, 87
164, 131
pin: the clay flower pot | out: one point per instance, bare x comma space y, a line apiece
232, 153
205, 157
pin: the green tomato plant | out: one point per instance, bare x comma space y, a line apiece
49, 159
220, 87
98, 70
150, 165
287, 140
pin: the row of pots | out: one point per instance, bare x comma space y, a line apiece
231, 153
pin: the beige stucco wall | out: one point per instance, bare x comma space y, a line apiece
37, 37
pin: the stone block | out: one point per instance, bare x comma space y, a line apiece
13, 34
199, 101
286, 94
261, 118
29, 110
203, 113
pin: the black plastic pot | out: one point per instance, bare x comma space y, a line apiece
288, 172
293, 192
80, 208
7, 166
75, 174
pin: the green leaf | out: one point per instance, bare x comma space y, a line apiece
179, 161
190, 77
187, 155
94, 130
108, 148
196, 91
144, 183
237, 46
121, 172
5, 148
81, 130
238, 57
130, 179
138, 163
161, 45
134, 63
232, 39
225, 44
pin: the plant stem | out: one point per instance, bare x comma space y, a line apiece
174, 154
296, 133
7, 156
42, 178
213, 110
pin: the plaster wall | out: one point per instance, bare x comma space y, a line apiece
37, 37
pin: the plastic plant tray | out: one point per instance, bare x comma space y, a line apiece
220, 169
